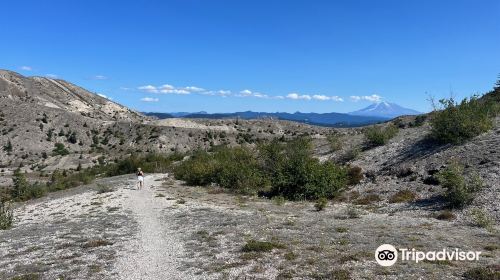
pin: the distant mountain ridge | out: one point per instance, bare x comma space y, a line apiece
384, 110
323, 119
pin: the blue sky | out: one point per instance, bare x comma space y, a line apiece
225, 56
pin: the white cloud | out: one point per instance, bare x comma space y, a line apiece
296, 96
150, 99
371, 98
26, 68
52, 76
321, 97
326, 98
194, 89
148, 88
249, 93
170, 89
167, 87
99, 77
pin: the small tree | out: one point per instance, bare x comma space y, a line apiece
8, 147
6, 216
20, 186
59, 150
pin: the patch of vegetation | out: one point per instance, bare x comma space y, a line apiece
459, 189
378, 136
445, 215
23, 190
59, 150
103, 188
482, 273
181, 201
368, 199
8, 147
341, 229
419, 121
261, 246
355, 174
276, 168
459, 122
6, 216
31, 276
321, 204
403, 196
335, 142
481, 219
96, 243
279, 200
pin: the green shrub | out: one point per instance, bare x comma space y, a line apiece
482, 273
481, 218
295, 174
419, 121
459, 189
199, 169
261, 246
378, 136
403, 196
459, 122
321, 203
335, 142
59, 150
23, 190
276, 168
6, 216
237, 169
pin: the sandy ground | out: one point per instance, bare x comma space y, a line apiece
154, 252
171, 231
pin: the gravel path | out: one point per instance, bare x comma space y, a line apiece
154, 253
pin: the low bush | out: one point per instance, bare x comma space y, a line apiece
6, 216
321, 204
261, 246
419, 121
335, 142
446, 215
403, 196
459, 189
482, 273
355, 175
459, 122
295, 174
378, 136
59, 150
368, 199
481, 218
103, 188
275, 169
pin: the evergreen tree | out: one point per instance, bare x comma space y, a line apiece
8, 147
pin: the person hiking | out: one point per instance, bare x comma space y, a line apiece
140, 178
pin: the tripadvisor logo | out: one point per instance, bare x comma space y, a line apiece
387, 255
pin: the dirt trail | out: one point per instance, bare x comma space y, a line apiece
154, 252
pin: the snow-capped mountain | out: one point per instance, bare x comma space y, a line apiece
384, 110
